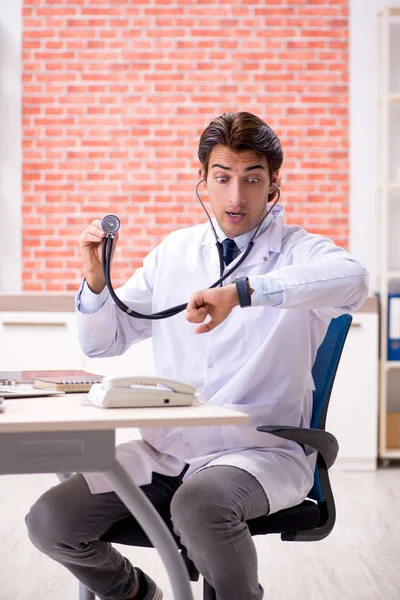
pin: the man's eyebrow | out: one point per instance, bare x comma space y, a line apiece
255, 167
246, 169
221, 167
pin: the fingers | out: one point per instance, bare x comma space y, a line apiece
94, 233
90, 238
196, 315
206, 327
95, 229
197, 309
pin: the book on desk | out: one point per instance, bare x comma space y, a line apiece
49, 381
67, 384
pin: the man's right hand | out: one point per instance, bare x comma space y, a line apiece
90, 244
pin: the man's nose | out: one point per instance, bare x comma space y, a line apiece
236, 196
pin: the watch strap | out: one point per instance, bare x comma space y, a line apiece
243, 291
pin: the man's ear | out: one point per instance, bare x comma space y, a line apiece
202, 176
275, 179
272, 189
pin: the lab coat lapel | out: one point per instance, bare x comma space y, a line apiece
269, 241
209, 247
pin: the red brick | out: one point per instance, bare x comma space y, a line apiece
117, 93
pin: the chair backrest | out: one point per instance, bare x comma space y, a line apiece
324, 372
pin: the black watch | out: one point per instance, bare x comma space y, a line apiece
243, 291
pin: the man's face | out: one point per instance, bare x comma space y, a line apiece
238, 185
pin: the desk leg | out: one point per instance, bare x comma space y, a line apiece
154, 527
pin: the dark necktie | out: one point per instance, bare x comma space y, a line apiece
229, 247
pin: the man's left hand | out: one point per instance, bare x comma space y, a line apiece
215, 302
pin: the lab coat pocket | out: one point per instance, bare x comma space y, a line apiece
246, 436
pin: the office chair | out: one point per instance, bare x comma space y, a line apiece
313, 519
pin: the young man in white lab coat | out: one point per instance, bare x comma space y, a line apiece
249, 346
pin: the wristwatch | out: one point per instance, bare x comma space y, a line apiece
243, 291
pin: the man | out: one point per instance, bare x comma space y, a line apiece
252, 349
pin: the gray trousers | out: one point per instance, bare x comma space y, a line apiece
209, 512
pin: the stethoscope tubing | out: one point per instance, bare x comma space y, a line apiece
174, 310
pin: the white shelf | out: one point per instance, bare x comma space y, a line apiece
392, 364
392, 11
392, 187
387, 126
392, 98
392, 453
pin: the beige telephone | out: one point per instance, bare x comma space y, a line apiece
141, 391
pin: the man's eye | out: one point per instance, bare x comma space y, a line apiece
254, 180
221, 179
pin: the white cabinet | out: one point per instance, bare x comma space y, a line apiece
353, 409
39, 340
48, 340
138, 360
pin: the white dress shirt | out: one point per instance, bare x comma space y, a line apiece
258, 360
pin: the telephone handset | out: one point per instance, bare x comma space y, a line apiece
141, 391
127, 381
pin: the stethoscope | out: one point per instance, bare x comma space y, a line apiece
111, 224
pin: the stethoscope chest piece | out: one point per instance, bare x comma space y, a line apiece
110, 224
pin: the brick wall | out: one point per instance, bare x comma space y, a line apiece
117, 92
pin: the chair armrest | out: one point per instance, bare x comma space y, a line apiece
324, 442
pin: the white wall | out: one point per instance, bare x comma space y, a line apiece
362, 130
10, 145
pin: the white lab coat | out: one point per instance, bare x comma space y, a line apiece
257, 361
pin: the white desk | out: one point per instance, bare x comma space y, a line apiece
59, 434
